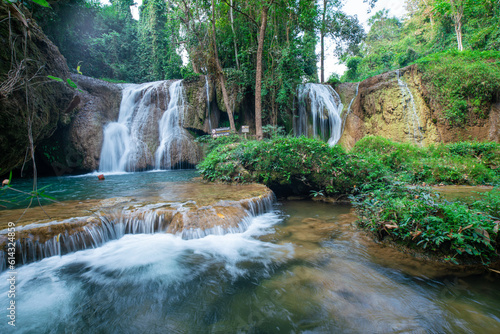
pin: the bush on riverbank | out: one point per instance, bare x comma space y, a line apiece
301, 165
463, 163
376, 174
285, 164
418, 218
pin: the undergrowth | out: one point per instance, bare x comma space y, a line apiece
381, 177
464, 83
418, 218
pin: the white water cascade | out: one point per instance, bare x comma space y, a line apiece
323, 105
207, 88
172, 135
148, 133
348, 111
113, 225
410, 112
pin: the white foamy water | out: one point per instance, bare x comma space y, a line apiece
138, 269
322, 104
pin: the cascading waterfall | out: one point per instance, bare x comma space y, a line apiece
148, 133
171, 133
323, 105
124, 143
410, 112
348, 111
115, 225
207, 86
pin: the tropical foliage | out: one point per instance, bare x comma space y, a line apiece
384, 182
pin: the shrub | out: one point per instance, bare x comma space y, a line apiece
416, 216
285, 164
464, 83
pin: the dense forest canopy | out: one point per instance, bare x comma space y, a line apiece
431, 26
265, 47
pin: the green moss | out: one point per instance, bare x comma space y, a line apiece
464, 83
285, 164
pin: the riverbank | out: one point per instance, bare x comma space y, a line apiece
380, 178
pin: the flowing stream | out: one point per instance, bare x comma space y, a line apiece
300, 267
322, 104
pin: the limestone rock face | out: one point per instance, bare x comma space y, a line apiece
79, 143
196, 111
383, 108
76, 145
27, 97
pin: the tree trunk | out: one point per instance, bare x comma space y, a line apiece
234, 34
258, 72
220, 75
322, 32
457, 19
458, 30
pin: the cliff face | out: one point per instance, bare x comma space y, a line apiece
28, 99
385, 107
76, 145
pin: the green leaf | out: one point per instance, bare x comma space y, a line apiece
78, 69
55, 78
71, 83
41, 3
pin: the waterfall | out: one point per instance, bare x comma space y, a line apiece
323, 105
148, 133
171, 133
348, 111
113, 225
410, 112
207, 86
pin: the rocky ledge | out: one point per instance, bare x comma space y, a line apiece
194, 210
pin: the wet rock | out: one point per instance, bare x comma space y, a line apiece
204, 209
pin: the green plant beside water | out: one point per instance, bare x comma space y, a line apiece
464, 163
378, 175
418, 218
295, 165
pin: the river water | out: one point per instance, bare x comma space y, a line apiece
302, 268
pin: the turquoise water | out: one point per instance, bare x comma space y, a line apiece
85, 187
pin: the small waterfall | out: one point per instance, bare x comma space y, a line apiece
148, 133
348, 111
207, 86
410, 112
323, 105
171, 133
114, 225
124, 142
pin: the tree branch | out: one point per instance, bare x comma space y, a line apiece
242, 13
